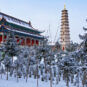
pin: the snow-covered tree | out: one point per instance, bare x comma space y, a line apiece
72, 47
8, 63
10, 47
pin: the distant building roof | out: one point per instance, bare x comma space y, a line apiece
17, 21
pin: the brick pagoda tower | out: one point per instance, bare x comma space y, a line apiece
65, 35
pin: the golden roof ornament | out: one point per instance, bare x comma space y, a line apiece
64, 7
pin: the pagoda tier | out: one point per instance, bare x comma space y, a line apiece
65, 35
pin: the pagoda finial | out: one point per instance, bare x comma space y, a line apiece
64, 7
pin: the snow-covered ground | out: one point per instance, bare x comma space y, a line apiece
12, 82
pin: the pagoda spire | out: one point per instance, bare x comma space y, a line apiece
64, 7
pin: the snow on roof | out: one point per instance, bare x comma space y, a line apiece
39, 36
16, 21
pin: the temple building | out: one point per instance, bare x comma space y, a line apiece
23, 31
65, 33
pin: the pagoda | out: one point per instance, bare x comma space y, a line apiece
65, 33
23, 31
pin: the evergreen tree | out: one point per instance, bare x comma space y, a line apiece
11, 47
83, 49
72, 47
8, 63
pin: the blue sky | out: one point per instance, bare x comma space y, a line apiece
43, 13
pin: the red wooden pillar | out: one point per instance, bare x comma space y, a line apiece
28, 41
22, 41
17, 39
37, 42
1, 38
32, 42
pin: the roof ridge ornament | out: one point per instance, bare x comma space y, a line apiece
30, 24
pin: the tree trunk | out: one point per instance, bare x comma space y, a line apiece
27, 74
17, 73
12, 59
50, 77
57, 77
72, 77
37, 75
45, 65
28, 70
1, 75
37, 81
7, 73
67, 81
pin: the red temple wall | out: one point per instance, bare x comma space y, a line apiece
24, 41
37, 42
32, 42
0, 38
28, 41
17, 39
